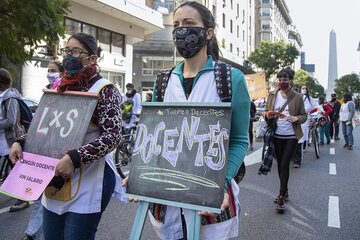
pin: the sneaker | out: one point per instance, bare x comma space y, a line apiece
346, 145
276, 200
321, 143
296, 165
19, 205
27, 237
280, 206
350, 147
328, 142
337, 138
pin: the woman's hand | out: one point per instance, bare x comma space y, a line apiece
348, 122
224, 205
65, 168
15, 152
292, 119
124, 183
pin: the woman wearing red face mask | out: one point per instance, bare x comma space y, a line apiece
288, 129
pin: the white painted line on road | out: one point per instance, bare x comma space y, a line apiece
332, 168
7, 209
332, 140
253, 158
334, 213
332, 151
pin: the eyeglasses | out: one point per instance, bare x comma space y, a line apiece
76, 52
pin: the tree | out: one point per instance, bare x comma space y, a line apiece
347, 84
25, 24
302, 77
272, 56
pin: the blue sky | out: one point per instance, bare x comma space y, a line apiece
315, 19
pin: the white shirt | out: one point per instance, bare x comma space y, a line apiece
136, 109
284, 127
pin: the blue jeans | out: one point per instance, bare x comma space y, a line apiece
347, 131
35, 225
78, 226
324, 129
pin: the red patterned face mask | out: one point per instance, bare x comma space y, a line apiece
78, 81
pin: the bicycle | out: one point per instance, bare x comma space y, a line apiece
123, 152
314, 136
5, 168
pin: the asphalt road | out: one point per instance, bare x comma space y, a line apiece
322, 205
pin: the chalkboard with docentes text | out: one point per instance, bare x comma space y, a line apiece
180, 153
60, 123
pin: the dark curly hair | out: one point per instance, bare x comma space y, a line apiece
286, 72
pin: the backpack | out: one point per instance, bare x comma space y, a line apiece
126, 113
26, 116
223, 83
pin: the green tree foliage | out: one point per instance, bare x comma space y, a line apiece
272, 56
347, 84
24, 24
302, 77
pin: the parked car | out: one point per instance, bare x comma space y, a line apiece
259, 110
32, 104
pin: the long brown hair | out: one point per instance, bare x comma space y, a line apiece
5, 79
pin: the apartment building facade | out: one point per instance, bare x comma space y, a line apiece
235, 32
117, 26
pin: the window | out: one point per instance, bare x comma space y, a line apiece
265, 1
265, 36
237, 10
104, 39
237, 31
231, 47
231, 26
231, 3
238, 51
250, 3
223, 43
151, 65
265, 11
168, 4
243, 16
72, 26
243, 35
108, 41
117, 43
265, 24
223, 20
118, 79
89, 30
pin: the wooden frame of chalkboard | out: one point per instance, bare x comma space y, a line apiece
77, 93
180, 155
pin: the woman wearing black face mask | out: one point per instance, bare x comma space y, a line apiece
288, 129
193, 80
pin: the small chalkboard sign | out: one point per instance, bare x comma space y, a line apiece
60, 123
180, 154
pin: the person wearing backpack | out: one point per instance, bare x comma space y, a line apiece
9, 123
334, 117
131, 108
324, 119
195, 79
286, 130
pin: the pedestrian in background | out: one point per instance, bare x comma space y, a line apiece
324, 119
148, 97
309, 104
9, 129
55, 69
347, 112
288, 130
334, 118
252, 119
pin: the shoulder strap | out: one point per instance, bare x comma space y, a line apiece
223, 80
161, 83
287, 102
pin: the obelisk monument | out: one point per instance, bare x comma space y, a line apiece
333, 73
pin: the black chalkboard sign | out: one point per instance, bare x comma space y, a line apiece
60, 123
180, 153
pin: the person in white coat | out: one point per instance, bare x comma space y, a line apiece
134, 98
309, 104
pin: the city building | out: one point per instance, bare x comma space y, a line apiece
295, 40
235, 32
117, 26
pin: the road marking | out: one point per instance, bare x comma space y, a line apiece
332, 140
253, 158
334, 215
332, 168
332, 151
7, 209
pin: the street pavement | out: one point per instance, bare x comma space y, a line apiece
324, 199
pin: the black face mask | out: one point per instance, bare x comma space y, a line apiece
189, 40
333, 99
